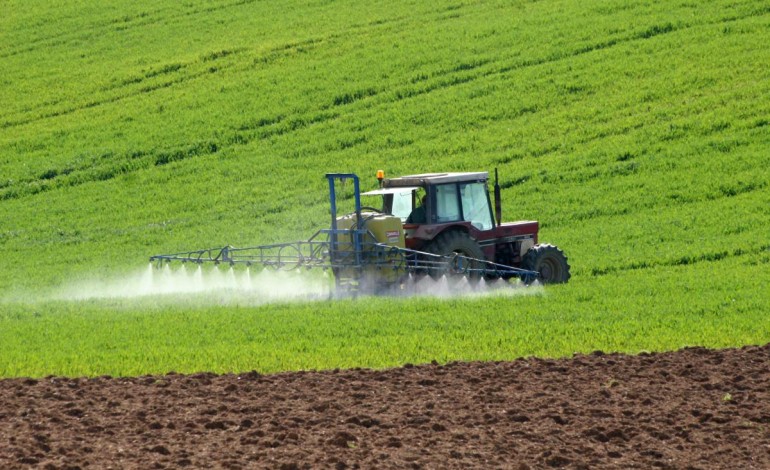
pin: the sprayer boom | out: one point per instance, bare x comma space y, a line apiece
372, 257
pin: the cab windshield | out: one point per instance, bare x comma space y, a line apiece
396, 201
402, 204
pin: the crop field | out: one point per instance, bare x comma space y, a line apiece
638, 134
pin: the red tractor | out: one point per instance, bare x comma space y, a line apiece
451, 213
438, 224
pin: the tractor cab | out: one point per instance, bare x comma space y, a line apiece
428, 204
438, 198
452, 213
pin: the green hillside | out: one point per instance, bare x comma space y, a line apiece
637, 133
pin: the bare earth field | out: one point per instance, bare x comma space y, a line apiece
694, 408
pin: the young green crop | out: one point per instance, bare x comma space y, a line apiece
637, 134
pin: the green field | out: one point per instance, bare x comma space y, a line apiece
638, 134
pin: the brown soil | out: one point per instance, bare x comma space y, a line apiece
695, 408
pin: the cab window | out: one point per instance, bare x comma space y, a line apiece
402, 204
447, 203
475, 203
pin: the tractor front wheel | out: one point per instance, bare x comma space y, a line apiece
457, 243
549, 261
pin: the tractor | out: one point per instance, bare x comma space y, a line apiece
451, 213
438, 225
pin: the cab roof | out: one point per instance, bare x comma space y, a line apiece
435, 178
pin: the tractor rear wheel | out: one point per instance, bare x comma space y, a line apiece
549, 261
456, 242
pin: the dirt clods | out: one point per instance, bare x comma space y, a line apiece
695, 408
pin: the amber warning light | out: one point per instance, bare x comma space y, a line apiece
380, 176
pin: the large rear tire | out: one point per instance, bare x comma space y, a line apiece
456, 242
549, 261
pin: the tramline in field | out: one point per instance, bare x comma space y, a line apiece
437, 224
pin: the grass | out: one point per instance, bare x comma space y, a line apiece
636, 134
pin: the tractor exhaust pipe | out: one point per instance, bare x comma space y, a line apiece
498, 201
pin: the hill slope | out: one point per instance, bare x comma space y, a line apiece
637, 134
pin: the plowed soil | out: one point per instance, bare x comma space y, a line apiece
694, 408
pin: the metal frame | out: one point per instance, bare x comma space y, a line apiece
318, 254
